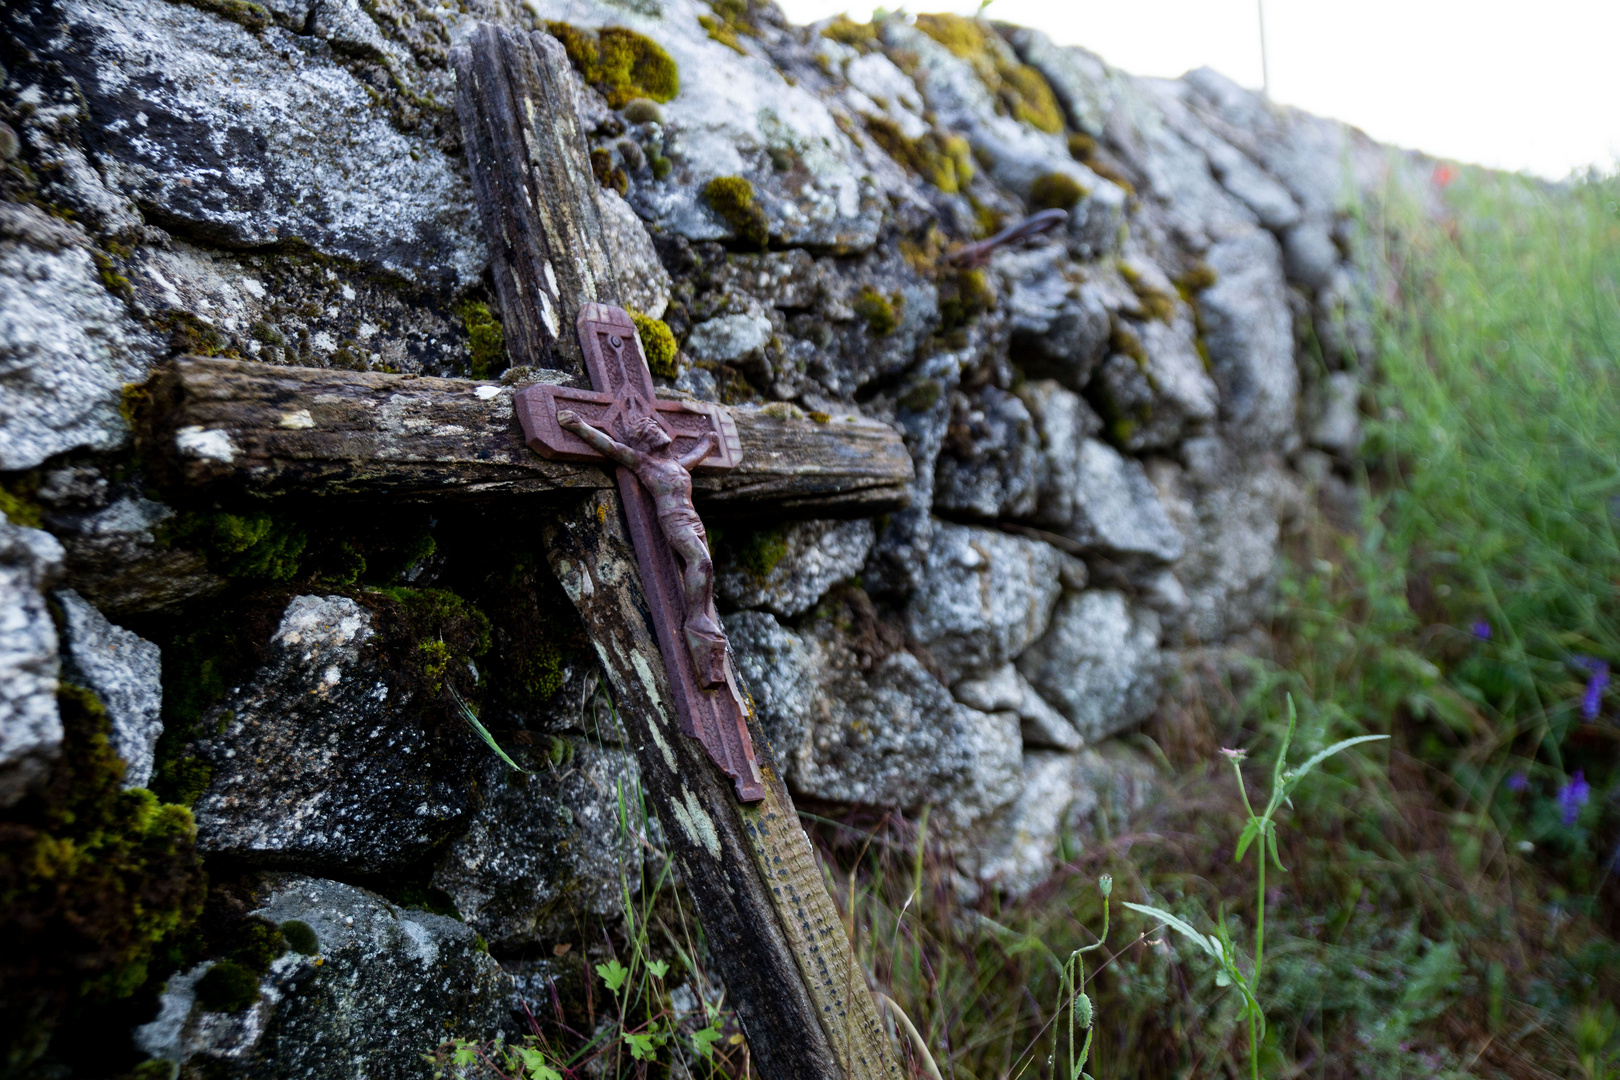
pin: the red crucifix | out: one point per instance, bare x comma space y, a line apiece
656, 445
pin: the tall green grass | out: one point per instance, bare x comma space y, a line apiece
1451, 905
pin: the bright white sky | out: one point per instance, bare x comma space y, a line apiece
1532, 86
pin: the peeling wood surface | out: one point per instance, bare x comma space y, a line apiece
270, 430
752, 875
536, 194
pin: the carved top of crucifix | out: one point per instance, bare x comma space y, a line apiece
657, 444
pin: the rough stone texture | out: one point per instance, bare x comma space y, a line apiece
816, 555
124, 670
67, 346
1006, 689
545, 845
297, 195
990, 467
1099, 662
735, 115
1250, 335
117, 561
322, 760
643, 281
246, 140
30, 727
896, 737
989, 595
1059, 326
388, 984
779, 669
1116, 510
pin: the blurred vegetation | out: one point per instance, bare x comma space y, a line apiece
1452, 900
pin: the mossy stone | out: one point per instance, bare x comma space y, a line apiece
1020, 90
878, 311
227, 987
300, 937
846, 31
486, 340
257, 944
657, 344
619, 62
1055, 191
921, 395
944, 161
643, 111
732, 197
99, 883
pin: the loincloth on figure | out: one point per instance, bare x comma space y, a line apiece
682, 519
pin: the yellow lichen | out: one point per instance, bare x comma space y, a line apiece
621, 63
846, 31
730, 18
946, 161
1020, 90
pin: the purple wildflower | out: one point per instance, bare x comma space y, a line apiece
1235, 755
1572, 796
1597, 680
1518, 782
1482, 630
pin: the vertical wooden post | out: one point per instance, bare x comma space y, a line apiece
535, 189
775, 934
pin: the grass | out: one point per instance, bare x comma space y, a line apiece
1451, 904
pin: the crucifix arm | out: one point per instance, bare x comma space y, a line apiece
702, 450
600, 442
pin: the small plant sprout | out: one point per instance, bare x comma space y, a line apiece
1260, 832
1073, 985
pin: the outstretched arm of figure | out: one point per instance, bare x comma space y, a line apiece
702, 450
600, 442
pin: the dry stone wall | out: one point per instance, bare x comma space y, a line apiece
1113, 425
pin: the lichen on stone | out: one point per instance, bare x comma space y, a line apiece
1055, 191
732, 197
1020, 90
657, 344
619, 62
1157, 303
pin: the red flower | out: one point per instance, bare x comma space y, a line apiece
1443, 175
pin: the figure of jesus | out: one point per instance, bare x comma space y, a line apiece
668, 479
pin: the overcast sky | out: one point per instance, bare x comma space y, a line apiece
1514, 86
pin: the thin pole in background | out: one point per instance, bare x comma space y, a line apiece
1265, 65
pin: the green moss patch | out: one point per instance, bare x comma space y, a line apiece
447, 629
657, 344
254, 545
732, 197
1055, 191
486, 340
227, 987
300, 937
879, 312
1020, 90
846, 31
94, 882
963, 296
253, 16
619, 62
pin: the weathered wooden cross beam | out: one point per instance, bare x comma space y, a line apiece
627, 559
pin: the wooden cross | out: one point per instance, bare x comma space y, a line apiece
267, 431
708, 694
